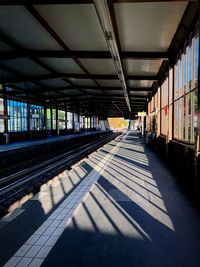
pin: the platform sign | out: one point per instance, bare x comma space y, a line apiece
142, 114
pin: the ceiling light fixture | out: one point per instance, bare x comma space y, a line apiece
103, 13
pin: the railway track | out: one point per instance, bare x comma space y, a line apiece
15, 186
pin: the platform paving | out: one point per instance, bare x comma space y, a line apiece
125, 209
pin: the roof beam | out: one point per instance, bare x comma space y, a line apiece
82, 54
105, 89
79, 76
48, 28
20, 50
102, 97
44, 2
54, 2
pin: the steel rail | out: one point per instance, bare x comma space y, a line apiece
41, 171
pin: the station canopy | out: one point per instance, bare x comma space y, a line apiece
96, 57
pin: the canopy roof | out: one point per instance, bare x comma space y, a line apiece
57, 52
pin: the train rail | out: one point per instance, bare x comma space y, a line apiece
14, 186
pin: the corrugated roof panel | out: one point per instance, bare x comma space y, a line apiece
99, 66
77, 25
24, 29
63, 65
25, 66
142, 67
148, 26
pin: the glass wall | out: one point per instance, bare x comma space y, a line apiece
18, 119
82, 122
69, 120
61, 119
23, 116
36, 117
179, 97
186, 94
164, 107
48, 119
1, 106
2, 129
54, 118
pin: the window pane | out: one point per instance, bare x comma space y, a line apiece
48, 119
190, 67
18, 118
2, 129
196, 59
180, 77
61, 119
176, 119
184, 72
189, 97
69, 120
164, 126
184, 118
36, 117
195, 115
180, 118
176, 82
1, 106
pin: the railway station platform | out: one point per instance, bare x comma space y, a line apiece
120, 206
30, 143
17, 153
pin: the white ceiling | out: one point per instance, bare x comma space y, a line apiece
83, 82
77, 25
63, 65
148, 26
4, 47
54, 83
24, 29
99, 66
95, 92
28, 85
71, 92
142, 67
25, 66
6, 75
139, 83
109, 83
143, 93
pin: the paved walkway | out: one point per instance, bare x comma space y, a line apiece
123, 209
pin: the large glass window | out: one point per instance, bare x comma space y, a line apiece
1, 106
69, 120
183, 97
164, 106
36, 117
48, 119
196, 61
18, 116
190, 66
2, 129
186, 94
82, 122
61, 119
54, 118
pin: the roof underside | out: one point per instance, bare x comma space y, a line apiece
58, 54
